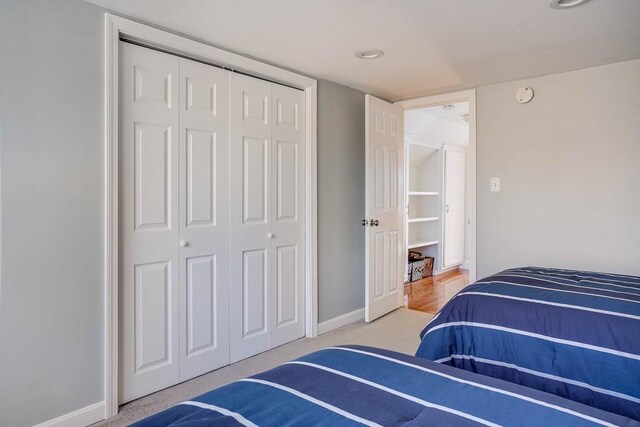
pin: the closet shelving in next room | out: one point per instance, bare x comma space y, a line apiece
425, 219
423, 193
423, 198
436, 140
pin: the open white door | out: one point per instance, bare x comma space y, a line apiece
384, 207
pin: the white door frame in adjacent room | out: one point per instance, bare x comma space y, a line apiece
452, 98
117, 28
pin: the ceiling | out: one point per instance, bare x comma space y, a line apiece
437, 125
454, 112
429, 46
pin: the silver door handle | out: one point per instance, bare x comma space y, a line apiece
184, 243
365, 222
270, 235
447, 209
374, 222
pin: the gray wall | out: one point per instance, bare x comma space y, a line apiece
569, 163
51, 116
340, 200
570, 168
52, 154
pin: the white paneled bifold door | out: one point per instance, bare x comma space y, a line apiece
148, 221
211, 218
203, 218
384, 210
266, 215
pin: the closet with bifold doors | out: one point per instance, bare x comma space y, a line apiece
211, 211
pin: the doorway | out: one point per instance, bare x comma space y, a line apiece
438, 173
439, 138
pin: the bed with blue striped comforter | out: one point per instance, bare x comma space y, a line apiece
572, 333
355, 385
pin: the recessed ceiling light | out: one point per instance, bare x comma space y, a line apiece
565, 4
369, 54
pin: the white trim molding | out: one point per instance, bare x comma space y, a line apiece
451, 98
340, 321
117, 28
440, 99
80, 418
311, 224
111, 218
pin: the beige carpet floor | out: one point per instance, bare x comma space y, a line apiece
396, 331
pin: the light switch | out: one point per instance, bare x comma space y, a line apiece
495, 184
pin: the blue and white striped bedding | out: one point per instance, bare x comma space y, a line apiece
571, 333
354, 385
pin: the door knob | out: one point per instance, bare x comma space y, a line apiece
270, 235
374, 222
184, 243
365, 222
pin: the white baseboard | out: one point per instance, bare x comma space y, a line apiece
444, 270
340, 321
80, 418
466, 265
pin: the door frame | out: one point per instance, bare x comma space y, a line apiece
117, 27
470, 202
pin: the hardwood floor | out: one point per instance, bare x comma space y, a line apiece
431, 294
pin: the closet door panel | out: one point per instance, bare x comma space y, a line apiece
254, 293
152, 176
287, 306
255, 180
200, 175
288, 208
287, 181
250, 205
148, 221
204, 232
201, 303
152, 329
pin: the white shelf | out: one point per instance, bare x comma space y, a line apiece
423, 193
433, 218
413, 245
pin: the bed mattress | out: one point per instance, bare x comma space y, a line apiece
354, 385
574, 334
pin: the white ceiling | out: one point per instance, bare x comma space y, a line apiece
434, 124
454, 113
430, 46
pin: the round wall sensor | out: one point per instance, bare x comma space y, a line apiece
524, 95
